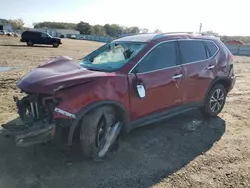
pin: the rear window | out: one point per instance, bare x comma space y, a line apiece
224, 47
192, 51
212, 48
30, 34
226, 51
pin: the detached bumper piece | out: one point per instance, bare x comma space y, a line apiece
26, 136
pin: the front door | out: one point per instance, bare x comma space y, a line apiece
45, 38
161, 77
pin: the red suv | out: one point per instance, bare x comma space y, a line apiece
129, 82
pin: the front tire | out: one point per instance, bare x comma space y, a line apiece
94, 128
30, 43
55, 44
214, 101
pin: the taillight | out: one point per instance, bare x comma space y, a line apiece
230, 63
230, 58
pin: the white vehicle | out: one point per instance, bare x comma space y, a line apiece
2, 32
9, 34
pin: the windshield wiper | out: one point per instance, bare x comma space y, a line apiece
92, 68
97, 69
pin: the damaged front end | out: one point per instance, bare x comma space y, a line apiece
35, 123
37, 120
53, 99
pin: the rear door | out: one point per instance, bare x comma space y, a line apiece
199, 65
36, 37
161, 76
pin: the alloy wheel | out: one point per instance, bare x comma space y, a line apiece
217, 100
106, 136
101, 132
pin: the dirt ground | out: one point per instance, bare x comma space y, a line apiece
186, 151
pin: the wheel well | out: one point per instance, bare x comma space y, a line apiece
121, 114
224, 82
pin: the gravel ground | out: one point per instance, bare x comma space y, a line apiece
185, 151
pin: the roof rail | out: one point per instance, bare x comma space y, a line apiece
180, 32
163, 34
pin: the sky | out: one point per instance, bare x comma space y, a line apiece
221, 16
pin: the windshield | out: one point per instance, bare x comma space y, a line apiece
46, 35
111, 56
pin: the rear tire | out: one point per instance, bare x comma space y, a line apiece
214, 101
30, 43
55, 45
93, 130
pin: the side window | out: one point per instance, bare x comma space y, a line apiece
192, 50
212, 48
44, 35
162, 56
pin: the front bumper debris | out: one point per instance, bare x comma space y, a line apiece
26, 136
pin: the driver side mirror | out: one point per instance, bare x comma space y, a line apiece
141, 90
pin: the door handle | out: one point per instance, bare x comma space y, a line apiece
210, 67
177, 76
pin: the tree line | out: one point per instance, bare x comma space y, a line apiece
15, 23
112, 30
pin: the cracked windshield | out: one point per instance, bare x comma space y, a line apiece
111, 56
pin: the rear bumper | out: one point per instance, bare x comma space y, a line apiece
26, 136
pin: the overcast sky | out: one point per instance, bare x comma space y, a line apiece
221, 16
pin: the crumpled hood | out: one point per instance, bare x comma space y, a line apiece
60, 72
